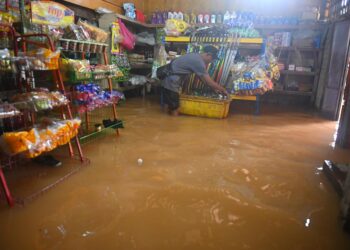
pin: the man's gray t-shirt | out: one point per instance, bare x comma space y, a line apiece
184, 65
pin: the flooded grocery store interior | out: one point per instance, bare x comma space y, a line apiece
245, 182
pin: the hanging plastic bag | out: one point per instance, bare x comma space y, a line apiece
128, 41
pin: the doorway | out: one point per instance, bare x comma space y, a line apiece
337, 71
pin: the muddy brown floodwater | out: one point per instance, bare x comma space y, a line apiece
245, 182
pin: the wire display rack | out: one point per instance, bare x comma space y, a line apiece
97, 123
22, 172
21, 43
92, 118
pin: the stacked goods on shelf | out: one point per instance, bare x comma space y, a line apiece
85, 32
41, 59
82, 46
10, 12
136, 58
76, 32
198, 98
114, 71
88, 97
222, 34
227, 42
84, 38
175, 27
44, 137
254, 75
222, 17
96, 34
32, 99
5, 60
133, 13
298, 58
129, 9
101, 71
122, 62
8, 110
29, 52
8, 18
81, 70
75, 70
26, 62
93, 66
39, 100
280, 39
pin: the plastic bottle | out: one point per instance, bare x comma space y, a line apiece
206, 18
165, 16
226, 17
170, 15
219, 18
200, 18
180, 16
213, 18
187, 17
235, 17
159, 18
154, 18
193, 18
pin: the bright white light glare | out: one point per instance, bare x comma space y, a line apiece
307, 222
335, 135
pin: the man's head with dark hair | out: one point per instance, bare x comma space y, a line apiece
209, 53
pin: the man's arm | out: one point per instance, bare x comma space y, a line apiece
207, 79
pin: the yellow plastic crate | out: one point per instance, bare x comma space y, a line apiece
203, 106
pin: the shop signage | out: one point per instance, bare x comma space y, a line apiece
51, 13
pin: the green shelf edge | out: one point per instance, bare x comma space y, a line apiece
86, 138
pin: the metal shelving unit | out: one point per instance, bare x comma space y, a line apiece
24, 41
102, 51
187, 39
298, 73
289, 92
134, 22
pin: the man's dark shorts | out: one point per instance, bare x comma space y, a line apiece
171, 98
